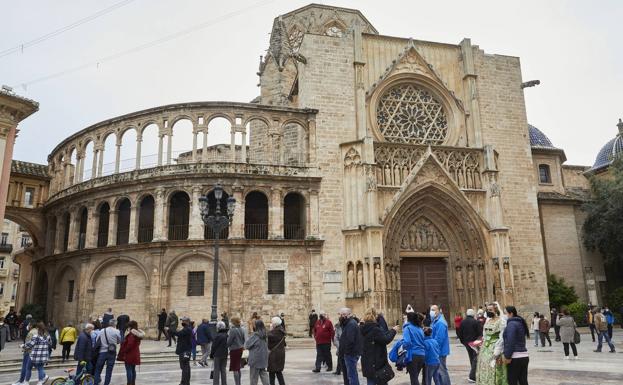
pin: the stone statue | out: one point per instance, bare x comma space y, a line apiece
507, 275
378, 282
482, 278
458, 278
359, 278
350, 279
470, 277
496, 275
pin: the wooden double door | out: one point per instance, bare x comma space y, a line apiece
423, 281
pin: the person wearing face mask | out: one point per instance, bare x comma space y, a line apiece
350, 346
440, 334
323, 334
184, 348
490, 368
514, 344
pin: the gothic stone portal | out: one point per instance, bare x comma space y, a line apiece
439, 243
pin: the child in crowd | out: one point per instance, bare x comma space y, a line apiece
431, 358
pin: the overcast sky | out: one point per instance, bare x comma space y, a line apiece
574, 47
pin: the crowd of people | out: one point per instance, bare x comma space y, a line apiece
494, 338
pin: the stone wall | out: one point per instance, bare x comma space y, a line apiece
503, 117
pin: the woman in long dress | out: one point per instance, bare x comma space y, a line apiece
491, 369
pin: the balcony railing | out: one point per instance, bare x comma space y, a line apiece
6, 248
294, 232
208, 233
145, 234
102, 239
178, 232
256, 231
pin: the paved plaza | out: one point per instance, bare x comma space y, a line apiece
547, 366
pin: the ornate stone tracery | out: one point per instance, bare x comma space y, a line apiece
410, 114
423, 235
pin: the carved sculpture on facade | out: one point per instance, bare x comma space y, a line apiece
422, 235
378, 280
360, 288
470, 277
458, 278
507, 275
350, 278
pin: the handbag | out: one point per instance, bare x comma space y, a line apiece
576, 337
384, 375
111, 348
244, 359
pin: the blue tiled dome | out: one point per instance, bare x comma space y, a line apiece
538, 138
611, 150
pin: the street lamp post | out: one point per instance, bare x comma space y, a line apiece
217, 222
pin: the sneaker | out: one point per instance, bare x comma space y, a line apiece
45, 379
596, 351
471, 381
576, 357
566, 357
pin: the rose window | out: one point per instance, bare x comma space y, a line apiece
408, 114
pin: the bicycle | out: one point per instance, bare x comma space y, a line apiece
80, 378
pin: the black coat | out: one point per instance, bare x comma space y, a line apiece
219, 345
313, 317
84, 348
184, 340
162, 318
375, 341
469, 330
122, 322
350, 340
276, 349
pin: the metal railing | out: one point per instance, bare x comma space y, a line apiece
178, 232
256, 231
123, 237
208, 233
294, 232
145, 234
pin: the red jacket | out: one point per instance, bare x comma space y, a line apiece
323, 332
129, 351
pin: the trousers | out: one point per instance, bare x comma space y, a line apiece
323, 354
444, 376
220, 370
278, 375
108, 359
350, 369
565, 346
432, 374
414, 368
185, 366
604, 335
256, 373
517, 371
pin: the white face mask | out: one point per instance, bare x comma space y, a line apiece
432, 314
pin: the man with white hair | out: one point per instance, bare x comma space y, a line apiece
351, 346
469, 331
84, 348
108, 339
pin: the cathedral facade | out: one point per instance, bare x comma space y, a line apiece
372, 170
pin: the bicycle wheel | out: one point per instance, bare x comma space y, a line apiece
58, 381
87, 379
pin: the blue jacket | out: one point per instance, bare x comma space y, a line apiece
609, 317
84, 348
514, 337
413, 337
351, 342
432, 351
203, 334
440, 334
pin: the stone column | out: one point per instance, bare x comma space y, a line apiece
311, 124
160, 145
159, 233
275, 214
133, 236
113, 220
117, 157
237, 223
243, 148
92, 227
169, 147
196, 223
232, 145
94, 173
194, 155
139, 140
60, 232
100, 161
204, 151
80, 168
72, 243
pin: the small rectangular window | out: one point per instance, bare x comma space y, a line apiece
1, 289
195, 283
545, 176
276, 282
4, 239
70, 290
1, 262
121, 282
